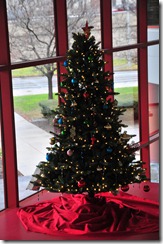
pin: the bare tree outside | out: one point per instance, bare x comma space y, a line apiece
32, 29
32, 34
78, 12
124, 20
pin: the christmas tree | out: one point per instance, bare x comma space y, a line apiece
90, 153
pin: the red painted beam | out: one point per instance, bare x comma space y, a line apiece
143, 81
60, 13
106, 35
7, 116
106, 32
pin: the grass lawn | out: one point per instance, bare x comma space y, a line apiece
28, 105
30, 71
122, 64
127, 95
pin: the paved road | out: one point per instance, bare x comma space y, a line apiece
38, 85
32, 85
125, 78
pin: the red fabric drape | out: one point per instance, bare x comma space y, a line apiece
76, 214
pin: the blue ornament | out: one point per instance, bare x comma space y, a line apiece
65, 63
73, 81
49, 156
105, 106
60, 121
109, 149
112, 86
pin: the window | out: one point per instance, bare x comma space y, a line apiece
124, 19
126, 83
153, 86
31, 30
31, 108
78, 12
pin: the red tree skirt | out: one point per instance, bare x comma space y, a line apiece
76, 214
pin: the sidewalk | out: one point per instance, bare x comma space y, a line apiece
31, 143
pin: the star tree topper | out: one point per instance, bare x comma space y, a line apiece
87, 30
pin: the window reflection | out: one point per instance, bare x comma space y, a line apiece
153, 12
154, 161
153, 80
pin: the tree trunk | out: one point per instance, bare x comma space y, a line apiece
50, 86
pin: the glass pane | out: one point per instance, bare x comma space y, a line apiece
153, 108
78, 12
153, 12
31, 29
33, 123
124, 21
154, 161
153, 19
153, 81
126, 83
2, 203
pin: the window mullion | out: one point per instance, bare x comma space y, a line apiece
61, 35
7, 115
106, 32
143, 81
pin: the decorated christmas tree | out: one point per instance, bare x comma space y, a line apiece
90, 153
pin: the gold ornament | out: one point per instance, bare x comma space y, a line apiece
108, 127
126, 136
115, 103
73, 104
73, 133
99, 168
52, 141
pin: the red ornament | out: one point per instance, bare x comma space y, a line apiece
93, 139
70, 152
81, 183
146, 188
125, 188
85, 94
